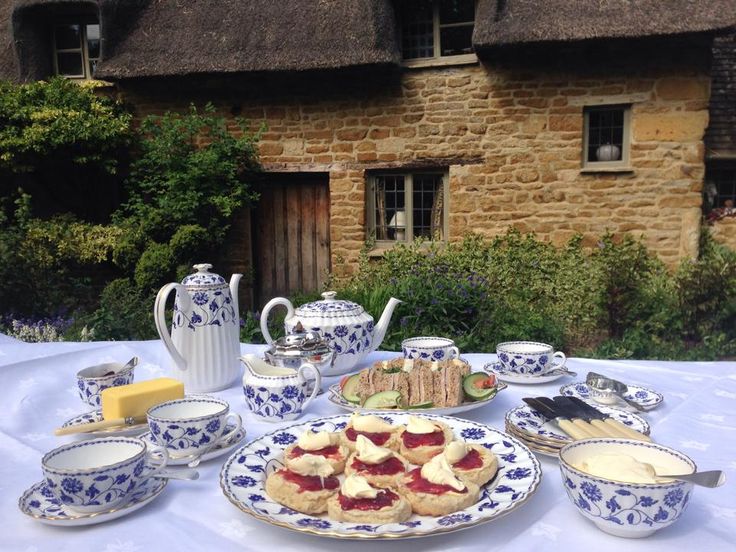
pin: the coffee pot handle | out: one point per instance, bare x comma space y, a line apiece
264, 315
159, 316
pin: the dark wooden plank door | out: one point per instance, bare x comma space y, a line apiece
291, 235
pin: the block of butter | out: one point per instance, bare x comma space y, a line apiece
136, 398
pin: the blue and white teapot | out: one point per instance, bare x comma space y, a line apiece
346, 326
205, 332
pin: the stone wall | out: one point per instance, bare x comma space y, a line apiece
509, 131
724, 231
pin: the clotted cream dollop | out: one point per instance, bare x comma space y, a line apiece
311, 440
370, 424
369, 453
438, 471
312, 465
456, 451
418, 425
356, 486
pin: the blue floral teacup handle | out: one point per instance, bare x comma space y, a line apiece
230, 434
155, 452
317, 381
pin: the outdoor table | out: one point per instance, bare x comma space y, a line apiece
38, 390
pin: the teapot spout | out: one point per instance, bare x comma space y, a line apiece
379, 331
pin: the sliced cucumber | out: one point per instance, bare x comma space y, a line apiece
384, 399
350, 388
425, 404
479, 386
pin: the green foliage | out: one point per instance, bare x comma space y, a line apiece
59, 120
124, 313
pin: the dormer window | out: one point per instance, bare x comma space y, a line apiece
76, 49
436, 29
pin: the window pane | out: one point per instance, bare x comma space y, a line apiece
427, 208
456, 11
70, 64
390, 201
417, 29
605, 134
68, 36
456, 40
93, 41
92, 67
725, 180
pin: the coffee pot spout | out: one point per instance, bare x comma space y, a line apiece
379, 331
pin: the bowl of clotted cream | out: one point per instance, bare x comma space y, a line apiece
616, 484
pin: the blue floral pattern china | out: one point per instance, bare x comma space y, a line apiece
90, 384
528, 421
348, 329
646, 398
243, 482
429, 348
336, 398
223, 446
39, 503
192, 425
99, 474
527, 379
626, 509
96, 416
529, 357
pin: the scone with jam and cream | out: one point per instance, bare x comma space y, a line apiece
359, 502
379, 431
380, 466
471, 462
320, 443
305, 486
434, 490
423, 439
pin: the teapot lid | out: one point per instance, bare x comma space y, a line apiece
299, 341
330, 306
203, 277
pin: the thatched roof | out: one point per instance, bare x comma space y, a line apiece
720, 138
179, 37
512, 22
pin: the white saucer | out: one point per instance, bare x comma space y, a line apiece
646, 398
38, 502
96, 416
503, 375
219, 449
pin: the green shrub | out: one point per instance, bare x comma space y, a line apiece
124, 313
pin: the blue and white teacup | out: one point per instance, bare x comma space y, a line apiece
429, 348
98, 475
274, 393
91, 381
192, 425
529, 357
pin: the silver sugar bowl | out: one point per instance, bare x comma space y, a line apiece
298, 347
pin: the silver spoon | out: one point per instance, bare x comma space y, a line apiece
710, 479
558, 371
609, 385
189, 475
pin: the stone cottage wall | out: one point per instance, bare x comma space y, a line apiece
511, 138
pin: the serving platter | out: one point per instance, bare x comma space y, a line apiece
243, 476
526, 420
336, 398
646, 398
39, 503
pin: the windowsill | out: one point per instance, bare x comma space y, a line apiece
380, 249
448, 61
610, 170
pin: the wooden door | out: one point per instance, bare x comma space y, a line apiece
291, 235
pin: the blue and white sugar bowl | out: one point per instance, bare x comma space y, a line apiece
91, 381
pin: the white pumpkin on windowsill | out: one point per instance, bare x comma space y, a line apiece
608, 152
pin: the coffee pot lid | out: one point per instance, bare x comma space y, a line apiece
203, 277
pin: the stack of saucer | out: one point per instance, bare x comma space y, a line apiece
535, 431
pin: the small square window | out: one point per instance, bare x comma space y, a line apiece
433, 29
76, 49
606, 136
405, 206
721, 179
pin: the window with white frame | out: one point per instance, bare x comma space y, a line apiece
403, 206
76, 49
606, 139
434, 29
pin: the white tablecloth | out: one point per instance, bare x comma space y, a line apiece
38, 391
